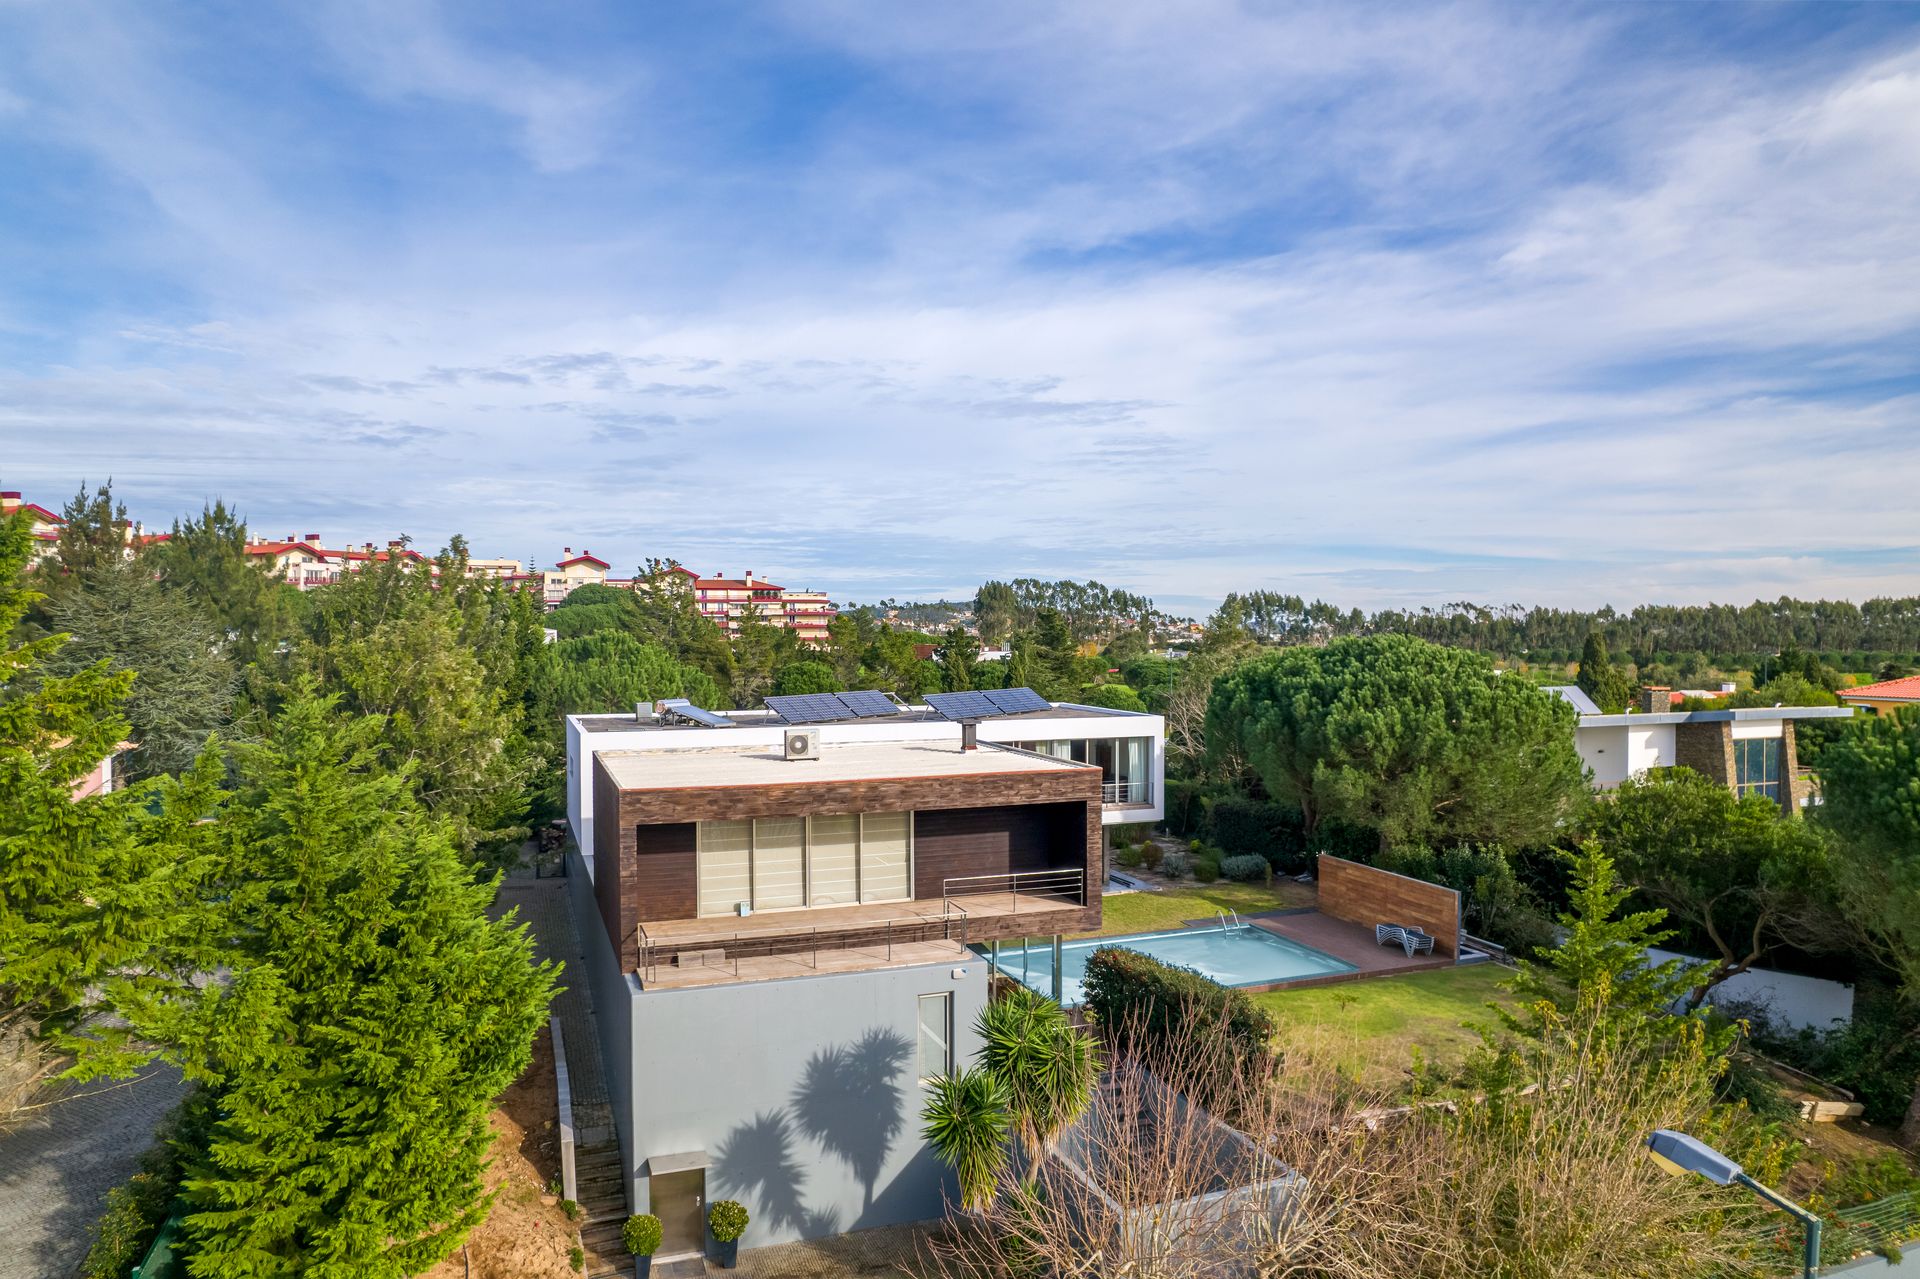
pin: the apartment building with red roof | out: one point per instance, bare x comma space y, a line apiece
729, 601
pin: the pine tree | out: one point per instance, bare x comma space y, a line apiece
957, 656
89, 886
1599, 975
206, 560
373, 1013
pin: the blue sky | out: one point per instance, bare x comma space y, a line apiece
1393, 305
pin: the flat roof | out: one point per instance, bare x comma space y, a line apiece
837, 762
1745, 714
767, 719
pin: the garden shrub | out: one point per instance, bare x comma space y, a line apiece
1245, 867
1151, 853
1176, 865
1129, 855
727, 1219
641, 1234
1206, 868
1186, 805
1134, 993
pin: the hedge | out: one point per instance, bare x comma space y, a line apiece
1256, 828
1126, 989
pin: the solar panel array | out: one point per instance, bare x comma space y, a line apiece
687, 710
827, 708
988, 703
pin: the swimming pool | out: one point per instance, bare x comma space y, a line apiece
1242, 956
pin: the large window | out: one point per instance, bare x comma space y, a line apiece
936, 1036
1123, 761
1756, 766
779, 863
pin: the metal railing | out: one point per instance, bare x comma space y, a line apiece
951, 924
1052, 887
1123, 792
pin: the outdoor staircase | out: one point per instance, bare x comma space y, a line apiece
601, 1185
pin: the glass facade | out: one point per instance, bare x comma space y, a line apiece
780, 863
1756, 767
1125, 763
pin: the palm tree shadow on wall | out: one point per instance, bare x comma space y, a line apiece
755, 1163
850, 1101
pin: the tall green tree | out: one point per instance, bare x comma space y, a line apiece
1600, 679
957, 656
996, 611
611, 671
1421, 743
371, 1014
1870, 790
806, 676
206, 560
89, 884
1741, 877
183, 687
1598, 978
448, 661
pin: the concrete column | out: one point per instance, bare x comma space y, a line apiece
1057, 977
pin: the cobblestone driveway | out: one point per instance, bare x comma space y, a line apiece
57, 1167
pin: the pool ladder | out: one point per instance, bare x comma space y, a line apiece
1236, 924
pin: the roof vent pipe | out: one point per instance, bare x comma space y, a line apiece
969, 736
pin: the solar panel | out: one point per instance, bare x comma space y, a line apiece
1015, 701
868, 703
808, 708
962, 705
687, 710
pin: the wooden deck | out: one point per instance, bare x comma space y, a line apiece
732, 968
1351, 942
771, 945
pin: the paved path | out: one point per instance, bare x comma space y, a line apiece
543, 907
57, 1167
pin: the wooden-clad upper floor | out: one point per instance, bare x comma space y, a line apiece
886, 827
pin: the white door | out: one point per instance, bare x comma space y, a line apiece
726, 866
833, 860
886, 857
779, 862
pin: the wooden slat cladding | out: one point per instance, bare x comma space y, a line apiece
665, 878
645, 841
612, 855
956, 842
1366, 895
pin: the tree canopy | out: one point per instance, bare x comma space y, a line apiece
1418, 742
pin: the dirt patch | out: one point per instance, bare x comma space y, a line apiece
884, 1253
526, 1236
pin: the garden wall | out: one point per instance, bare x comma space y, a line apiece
1369, 896
1792, 1000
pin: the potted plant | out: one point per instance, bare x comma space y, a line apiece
727, 1221
641, 1234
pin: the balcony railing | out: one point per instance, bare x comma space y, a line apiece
798, 940
1123, 792
1042, 889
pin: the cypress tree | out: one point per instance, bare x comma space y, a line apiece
372, 1014
1599, 678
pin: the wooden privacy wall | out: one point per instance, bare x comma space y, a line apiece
1364, 895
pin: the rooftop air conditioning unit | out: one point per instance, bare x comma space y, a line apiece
803, 743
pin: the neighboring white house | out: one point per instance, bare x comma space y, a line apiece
1752, 750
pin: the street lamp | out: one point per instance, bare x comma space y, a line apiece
1679, 1153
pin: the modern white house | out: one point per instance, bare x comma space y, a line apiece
779, 910
1751, 751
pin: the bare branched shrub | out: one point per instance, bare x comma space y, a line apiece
1320, 1178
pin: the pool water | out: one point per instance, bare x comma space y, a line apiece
1242, 956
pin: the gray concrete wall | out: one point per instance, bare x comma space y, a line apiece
803, 1094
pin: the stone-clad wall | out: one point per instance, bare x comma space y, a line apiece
1364, 895
1705, 748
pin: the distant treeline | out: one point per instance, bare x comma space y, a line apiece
1888, 626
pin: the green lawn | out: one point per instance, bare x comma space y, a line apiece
1384, 1018
1150, 912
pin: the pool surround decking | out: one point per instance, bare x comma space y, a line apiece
1348, 942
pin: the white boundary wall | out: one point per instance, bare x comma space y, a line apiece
1795, 1001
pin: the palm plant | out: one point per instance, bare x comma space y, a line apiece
966, 1124
1048, 1068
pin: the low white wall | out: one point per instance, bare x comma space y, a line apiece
1794, 1000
